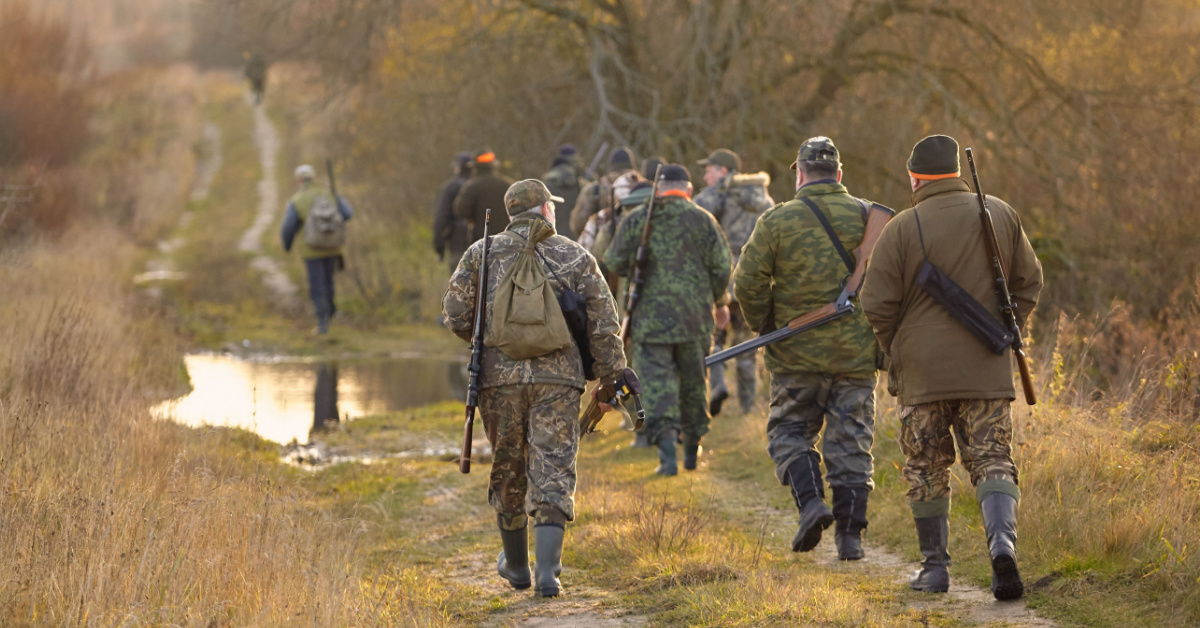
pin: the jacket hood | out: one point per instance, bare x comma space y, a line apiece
758, 179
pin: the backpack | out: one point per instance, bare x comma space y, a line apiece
324, 228
527, 320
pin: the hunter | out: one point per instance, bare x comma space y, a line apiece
736, 200
794, 262
530, 407
686, 274
598, 195
450, 232
483, 191
949, 385
323, 218
565, 180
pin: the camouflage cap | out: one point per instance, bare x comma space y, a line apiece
723, 157
525, 195
818, 148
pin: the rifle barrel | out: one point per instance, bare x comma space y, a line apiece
476, 366
775, 336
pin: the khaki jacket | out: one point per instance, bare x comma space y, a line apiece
933, 356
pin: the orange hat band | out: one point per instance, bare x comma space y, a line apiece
679, 193
486, 158
934, 177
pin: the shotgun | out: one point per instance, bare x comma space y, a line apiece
1008, 309
626, 386
876, 220
639, 263
464, 461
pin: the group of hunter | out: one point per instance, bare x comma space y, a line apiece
711, 270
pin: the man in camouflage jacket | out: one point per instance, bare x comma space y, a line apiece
565, 179
686, 273
598, 195
736, 201
530, 407
789, 267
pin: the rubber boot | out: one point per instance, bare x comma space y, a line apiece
999, 512
746, 384
666, 454
323, 325
690, 454
850, 515
804, 477
513, 564
639, 441
547, 546
718, 392
933, 534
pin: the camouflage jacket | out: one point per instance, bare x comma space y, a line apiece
736, 201
790, 267
687, 270
566, 261
593, 197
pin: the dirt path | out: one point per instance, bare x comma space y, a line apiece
266, 138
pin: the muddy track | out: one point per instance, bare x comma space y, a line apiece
266, 139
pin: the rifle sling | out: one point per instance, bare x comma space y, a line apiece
837, 244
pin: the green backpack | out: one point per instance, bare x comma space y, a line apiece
527, 321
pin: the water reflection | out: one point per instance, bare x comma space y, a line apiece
285, 401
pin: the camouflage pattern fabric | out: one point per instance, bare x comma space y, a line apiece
736, 201
801, 403
534, 433
566, 261
983, 429
687, 271
564, 180
790, 267
594, 197
673, 391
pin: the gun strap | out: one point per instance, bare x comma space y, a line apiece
837, 244
921, 235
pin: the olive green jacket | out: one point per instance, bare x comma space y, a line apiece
933, 356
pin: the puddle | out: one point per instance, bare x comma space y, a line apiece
283, 401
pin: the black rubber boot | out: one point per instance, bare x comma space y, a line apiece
720, 392
933, 534
547, 546
639, 441
513, 564
850, 513
690, 455
666, 454
999, 512
323, 325
746, 379
804, 478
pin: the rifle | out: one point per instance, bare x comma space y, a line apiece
1008, 309
464, 461
639, 264
591, 171
332, 181
615, 394
842, 306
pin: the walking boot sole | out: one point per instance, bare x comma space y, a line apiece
1006, 580
806, 540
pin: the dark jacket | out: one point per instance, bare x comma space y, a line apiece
933, 356
449, 232
485, 190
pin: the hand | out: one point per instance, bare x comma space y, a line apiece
721, 316
604, 407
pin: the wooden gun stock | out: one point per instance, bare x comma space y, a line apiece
1026, 377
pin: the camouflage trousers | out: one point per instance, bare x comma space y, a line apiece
673, 391
534, 433
983, 429
745, 364
801, 403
